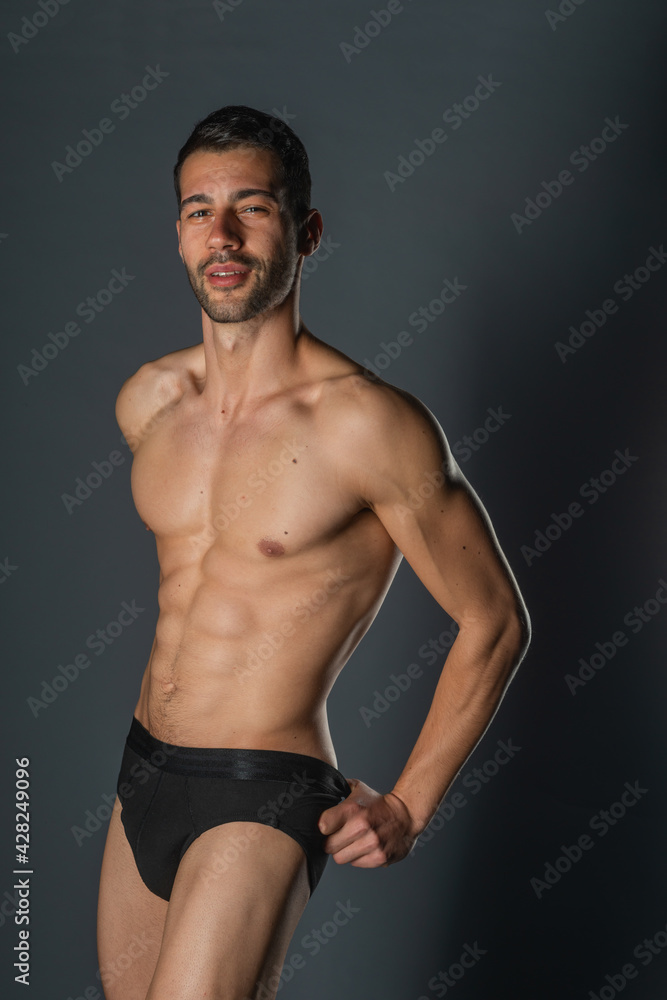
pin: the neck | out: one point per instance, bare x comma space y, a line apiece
247, 361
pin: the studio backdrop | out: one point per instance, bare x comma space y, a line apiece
491, 177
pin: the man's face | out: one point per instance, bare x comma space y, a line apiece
234, 218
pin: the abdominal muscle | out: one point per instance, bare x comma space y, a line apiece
247, 649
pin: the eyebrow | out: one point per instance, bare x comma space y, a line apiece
239, 195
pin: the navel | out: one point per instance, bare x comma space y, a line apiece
269, 547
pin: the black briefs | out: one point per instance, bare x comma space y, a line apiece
171, 795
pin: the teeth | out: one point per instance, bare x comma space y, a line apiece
225, 273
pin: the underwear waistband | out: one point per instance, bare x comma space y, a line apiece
268, 765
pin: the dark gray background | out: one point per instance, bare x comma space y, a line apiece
493, 347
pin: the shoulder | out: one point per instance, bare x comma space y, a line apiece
383, 418
382, 437
364, 405
156, 385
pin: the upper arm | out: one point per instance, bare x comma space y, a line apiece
407, 475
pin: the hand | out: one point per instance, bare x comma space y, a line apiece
367, 830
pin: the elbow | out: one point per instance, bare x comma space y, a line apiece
516, 632
524, 627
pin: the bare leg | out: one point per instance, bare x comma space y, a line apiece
239, 893
130, 920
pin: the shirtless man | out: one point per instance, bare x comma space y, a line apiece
283, 486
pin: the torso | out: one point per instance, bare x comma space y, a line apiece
271, 567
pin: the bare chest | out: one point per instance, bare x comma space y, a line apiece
270, 485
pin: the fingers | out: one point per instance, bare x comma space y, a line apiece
366, 830
361, 852
356, 836
335, 817
353, 828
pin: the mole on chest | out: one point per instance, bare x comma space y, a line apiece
269, 547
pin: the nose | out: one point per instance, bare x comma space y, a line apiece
223, 232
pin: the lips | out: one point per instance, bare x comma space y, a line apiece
225, 275
229, 266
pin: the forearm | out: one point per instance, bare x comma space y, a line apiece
478, 669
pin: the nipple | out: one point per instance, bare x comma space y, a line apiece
270, 548
168, 686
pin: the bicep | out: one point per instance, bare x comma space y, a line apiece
448, 539
438, 522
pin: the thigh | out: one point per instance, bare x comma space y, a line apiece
239, 893
130, 920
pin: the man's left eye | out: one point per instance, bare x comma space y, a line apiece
254, 208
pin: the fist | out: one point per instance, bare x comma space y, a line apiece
367, 830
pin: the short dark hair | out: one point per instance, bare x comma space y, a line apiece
237, 125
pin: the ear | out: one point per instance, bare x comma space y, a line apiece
311, 233
178, 230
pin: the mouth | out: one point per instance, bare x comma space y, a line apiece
226, 275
